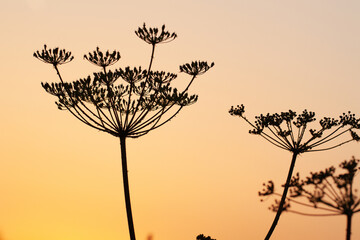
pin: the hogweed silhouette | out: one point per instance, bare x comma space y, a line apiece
325, 191
290, 131
143, 102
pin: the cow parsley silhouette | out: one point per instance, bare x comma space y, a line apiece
143, 101
325, 191
291, 131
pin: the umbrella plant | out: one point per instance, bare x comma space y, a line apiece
328, 192
124, 102
291, 132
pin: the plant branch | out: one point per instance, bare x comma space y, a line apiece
277, 217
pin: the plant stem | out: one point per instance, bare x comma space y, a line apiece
126, 188
348, 226
283, 198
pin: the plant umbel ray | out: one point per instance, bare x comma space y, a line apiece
325, 191
143, 101
290, 131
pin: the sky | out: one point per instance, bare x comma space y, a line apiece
199, 173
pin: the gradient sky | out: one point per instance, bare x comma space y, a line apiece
200, 173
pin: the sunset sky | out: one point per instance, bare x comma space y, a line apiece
199, 173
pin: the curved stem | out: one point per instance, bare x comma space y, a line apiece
286, 188
187, 87
276, 134
126, 187
321, 141
273, 141
323, 149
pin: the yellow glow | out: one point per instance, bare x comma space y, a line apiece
201, 172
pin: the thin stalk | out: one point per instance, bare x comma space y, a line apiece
355, 205
330, 205
348, 226
332, 190
288, 123
112, 117
322, 141
128, 107
90, 118
277, 136
154, 127
155, 117
150, 120
301, 135
139, 126
82, 119
272, 141
284, 137
147, 79
126, 187
314, 215
191, 81
83, 112
331, 197
323, 149
155, 121
322, 130
350, 189
305, 204
283, 198
267, 137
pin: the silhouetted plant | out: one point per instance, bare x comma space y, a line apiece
143, 102
202, 237
324, 191
290, 131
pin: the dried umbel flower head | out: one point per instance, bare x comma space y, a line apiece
53, 56
287, 130
161, 77
268, 189
134, 75
101, 59
291, 132
154, 35
239, 110
196, 68
106, 78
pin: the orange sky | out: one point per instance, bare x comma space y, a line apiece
200, 173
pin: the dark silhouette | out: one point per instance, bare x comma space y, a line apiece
143, 102
324, 191
291, 132
202, 237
